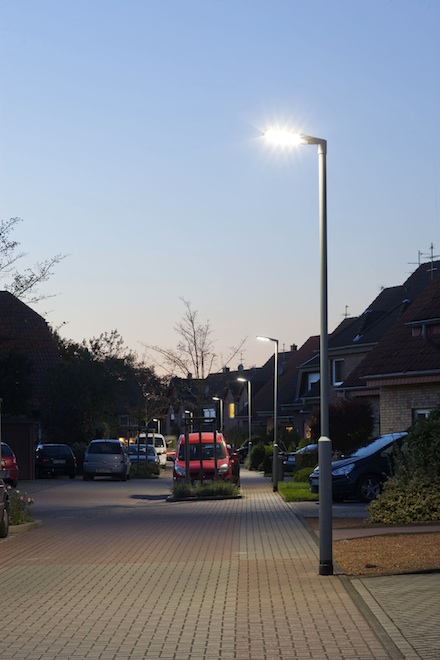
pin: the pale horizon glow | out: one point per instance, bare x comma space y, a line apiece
131, 137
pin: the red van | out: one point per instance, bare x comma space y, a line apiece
203, 447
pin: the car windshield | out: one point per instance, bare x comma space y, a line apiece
372, 447
105, 448
137, 449
207, 451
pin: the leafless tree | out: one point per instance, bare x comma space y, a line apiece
194, 353
22, 284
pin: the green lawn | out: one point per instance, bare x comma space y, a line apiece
293, 491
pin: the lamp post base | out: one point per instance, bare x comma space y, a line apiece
326, 568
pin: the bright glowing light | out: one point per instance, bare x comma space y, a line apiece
281, 137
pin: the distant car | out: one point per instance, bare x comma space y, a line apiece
289, 462
206, 454
9, 463
53, 460
363, 471
171, 454
4, 510
158, 440
139, 453
106, 458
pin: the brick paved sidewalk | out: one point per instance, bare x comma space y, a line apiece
231, 579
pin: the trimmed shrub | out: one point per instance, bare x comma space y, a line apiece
257, 456
406, 501
302, 475
183, 490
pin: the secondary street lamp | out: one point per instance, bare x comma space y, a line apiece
220, 405
249, 389
275, 413
285, 138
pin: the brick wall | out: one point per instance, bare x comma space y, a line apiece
397, 404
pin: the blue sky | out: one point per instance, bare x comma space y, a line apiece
130, 139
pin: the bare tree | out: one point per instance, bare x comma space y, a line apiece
194, 354
24, 284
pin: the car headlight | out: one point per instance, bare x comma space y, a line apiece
345, 469
223, 468
179, 470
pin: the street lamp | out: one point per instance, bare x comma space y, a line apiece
288, 139
220, 405
275, 413
249, 389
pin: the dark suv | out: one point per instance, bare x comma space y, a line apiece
53, 459
362, 472
4, 510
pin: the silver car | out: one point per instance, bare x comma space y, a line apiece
106, 458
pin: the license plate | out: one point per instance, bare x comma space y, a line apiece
59, 461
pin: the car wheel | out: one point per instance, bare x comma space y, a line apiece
368, 487
123, 477
4, 524
87, 477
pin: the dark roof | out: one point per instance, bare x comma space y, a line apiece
288, 373
390, 304
399, 351
24, 332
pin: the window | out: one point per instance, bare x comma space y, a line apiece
231, 410
312, 378
420, 413
337, 372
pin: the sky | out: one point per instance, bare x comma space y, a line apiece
131, 141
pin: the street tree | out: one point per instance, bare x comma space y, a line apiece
22, 284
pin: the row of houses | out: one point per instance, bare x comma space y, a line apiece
389, 356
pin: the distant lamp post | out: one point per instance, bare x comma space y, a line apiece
287, 139
275, 413
220, 406
249, 394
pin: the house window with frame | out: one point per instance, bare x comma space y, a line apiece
337, 372
420, 413
231, 410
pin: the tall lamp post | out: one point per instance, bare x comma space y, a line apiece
220, 405
285, 138
249, 389
275, 413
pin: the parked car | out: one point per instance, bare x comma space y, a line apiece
139, 453
210, 448
289, 461
53, 460
9, 463
171, 454
363, 471
106, 458
290, 458
158, 440
4, 510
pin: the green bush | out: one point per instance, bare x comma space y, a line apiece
257, 456
20, 507
142, 471
183, 490
404, 501
302, 475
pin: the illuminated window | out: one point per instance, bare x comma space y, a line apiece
231, 410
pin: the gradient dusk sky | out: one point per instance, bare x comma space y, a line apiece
130, 139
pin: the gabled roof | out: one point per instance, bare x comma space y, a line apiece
400, 351
387, 307
288, 373
24, 332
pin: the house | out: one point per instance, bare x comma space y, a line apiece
401, 375
27, 352
355, 337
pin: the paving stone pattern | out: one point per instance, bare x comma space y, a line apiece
146, 578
